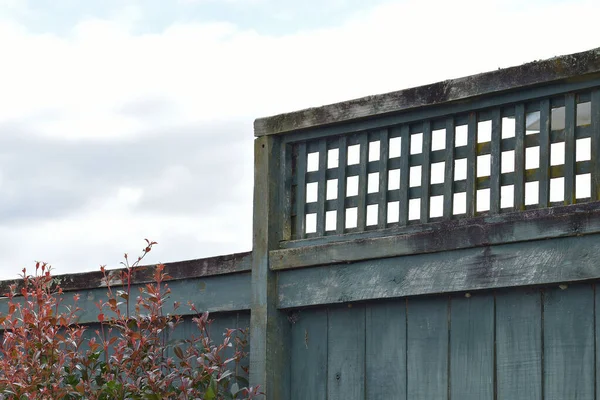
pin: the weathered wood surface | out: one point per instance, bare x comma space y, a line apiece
575, 220
519, 264
270, 339
595, 150
472, 347
218, 293
519, 344
570, 123
569, 360
597, 336
535, 73
308, 361
189, 269
427, 348
522, 343
346, 353
385, 348
519, 167
471, 189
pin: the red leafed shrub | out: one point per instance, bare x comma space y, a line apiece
44, 353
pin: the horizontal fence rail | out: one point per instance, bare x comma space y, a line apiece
512, 157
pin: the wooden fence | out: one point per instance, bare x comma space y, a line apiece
439, 242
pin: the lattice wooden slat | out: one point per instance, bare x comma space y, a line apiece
518, 156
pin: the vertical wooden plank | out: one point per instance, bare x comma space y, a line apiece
269, 341
309, 356
426, 172
286, 186
341, 179
321, 189
471, 190
363, 141
597, 336
449, 165
301, 191
346, 353
427, 349
544, 183
595, 124
472, 348
495, 167
519, 192
569, 343
519, 345
404, 174
386, 350
570, 122
384, 145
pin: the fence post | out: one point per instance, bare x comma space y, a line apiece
269, 327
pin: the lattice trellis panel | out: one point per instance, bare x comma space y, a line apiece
510, 158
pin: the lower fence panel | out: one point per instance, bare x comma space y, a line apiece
521, 343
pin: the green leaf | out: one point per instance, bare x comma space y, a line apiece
211, 390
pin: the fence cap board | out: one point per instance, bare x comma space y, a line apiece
189, 269
562, 68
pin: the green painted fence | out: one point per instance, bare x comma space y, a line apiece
439, 242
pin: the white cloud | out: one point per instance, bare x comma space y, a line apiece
76, 87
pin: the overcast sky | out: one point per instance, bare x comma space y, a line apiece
125, 119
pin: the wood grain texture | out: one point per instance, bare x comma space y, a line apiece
519, 344
472, 347
341, 180
471, 184
178, 270
321, 189
518, 264
426, 172
269, 342
449, 166
514, 78
537, 224
519, 168
404, 175
362, 182
308, 360
569, 369
496, 159
300, 176
382, 208
218, 293
597, 336
570, 123
544, 139
427, 348
386, 350
595, 153
346, 353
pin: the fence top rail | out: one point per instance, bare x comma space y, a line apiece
178, 270
562, 68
